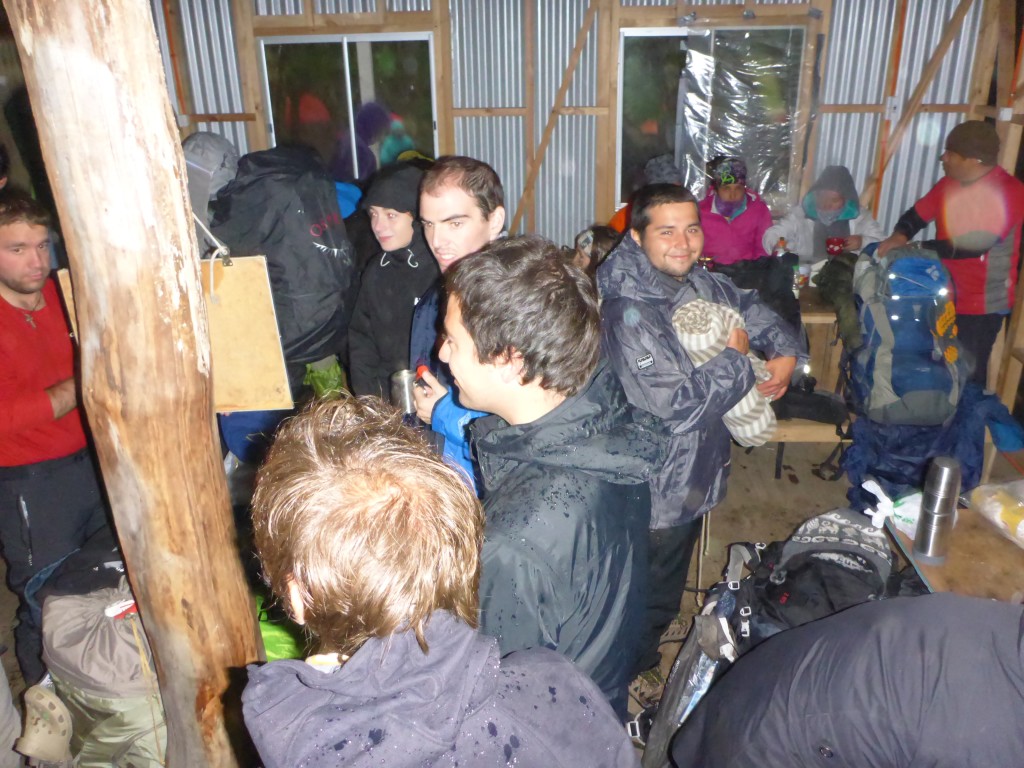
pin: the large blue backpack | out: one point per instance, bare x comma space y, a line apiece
909, 368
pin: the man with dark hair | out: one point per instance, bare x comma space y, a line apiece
50, 499
462, 209
373, 543
565, 461
646, 278
978, 210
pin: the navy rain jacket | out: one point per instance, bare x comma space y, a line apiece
914, 682
392, 704
638, 338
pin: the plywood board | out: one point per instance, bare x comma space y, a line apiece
245, 347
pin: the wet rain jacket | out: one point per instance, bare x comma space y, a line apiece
567, 505
639, 340
935, 681
391, 704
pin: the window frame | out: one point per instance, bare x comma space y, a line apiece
344, 40
799, 120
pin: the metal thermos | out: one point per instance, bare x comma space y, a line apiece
938, 509
402, 383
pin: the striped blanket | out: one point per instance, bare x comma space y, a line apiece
703, 329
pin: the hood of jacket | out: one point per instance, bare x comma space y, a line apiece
416, 255
835, 178
596, 432
390, 693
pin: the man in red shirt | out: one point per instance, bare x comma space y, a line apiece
978, 209
50, 500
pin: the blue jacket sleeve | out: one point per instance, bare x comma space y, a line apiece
450, 420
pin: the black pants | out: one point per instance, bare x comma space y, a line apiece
47, 510
977, 334
668, 562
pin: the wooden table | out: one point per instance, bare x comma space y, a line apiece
824, 344
826, 350
980, 562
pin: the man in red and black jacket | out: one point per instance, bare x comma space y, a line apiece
978, 209
50, 500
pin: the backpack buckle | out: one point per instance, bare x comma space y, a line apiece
734, 586
744, 629
746, 611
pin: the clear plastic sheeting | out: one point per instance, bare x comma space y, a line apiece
688, 96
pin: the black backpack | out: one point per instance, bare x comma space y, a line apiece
283, 204
831, 562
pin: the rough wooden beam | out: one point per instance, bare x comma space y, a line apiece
118, 176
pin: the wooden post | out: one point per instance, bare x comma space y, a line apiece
112, 154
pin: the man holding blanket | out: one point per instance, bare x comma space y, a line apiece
643, 282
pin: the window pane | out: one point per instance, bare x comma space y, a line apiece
721, 92
390, 93
308, 95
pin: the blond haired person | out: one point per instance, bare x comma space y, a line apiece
373, 542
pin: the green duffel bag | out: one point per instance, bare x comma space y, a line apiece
103, 671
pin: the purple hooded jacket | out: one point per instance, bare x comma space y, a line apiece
391, 704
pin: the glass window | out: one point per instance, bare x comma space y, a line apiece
687, 96
318, 88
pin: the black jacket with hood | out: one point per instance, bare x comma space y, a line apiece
567, 505
457, 705
658, 376
378, 336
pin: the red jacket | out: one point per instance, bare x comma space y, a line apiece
740, 239
986, 210
31, 360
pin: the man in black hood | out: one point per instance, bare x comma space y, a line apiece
565, 461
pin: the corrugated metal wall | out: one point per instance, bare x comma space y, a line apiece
408, 5
854, 76
565, 192
488, 69
345, 6
277, 7
487, 72
209, 39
